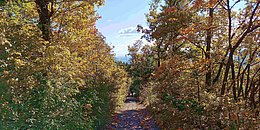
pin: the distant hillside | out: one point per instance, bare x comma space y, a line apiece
123, 58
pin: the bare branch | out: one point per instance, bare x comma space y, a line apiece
223, 6
235, 4
219, 2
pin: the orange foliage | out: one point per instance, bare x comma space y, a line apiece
170, 10
212, 3
198, 4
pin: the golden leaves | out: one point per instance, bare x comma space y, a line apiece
76, 54
202, 4
3, 40
19, 63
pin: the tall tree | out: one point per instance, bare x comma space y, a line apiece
247, 28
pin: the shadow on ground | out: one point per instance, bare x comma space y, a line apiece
131, 99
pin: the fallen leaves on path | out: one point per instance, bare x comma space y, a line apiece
133, 116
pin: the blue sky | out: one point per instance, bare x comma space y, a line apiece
119, 20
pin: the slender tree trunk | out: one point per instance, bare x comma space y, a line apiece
223, 88
198, 90
220, 67
247, 82
208, 48
253, 85
159, 53
239, 75
233, 79
240, 90
252, 95
232, 50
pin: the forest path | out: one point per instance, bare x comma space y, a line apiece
133, 116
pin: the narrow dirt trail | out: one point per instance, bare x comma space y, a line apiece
133, 116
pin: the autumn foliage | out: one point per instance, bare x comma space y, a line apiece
205, 64
200, 71
57, 72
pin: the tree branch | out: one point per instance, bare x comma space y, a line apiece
235, 4
249, 28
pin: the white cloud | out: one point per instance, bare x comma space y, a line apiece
121, 48
129, 31
130, 35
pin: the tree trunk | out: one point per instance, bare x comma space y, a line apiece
232, 50
208, 48
220, 67
249, 29
225, 79
159, 53
240, 90
233, 80
247, 82
254, 86
252, 95
44, 18
239, 73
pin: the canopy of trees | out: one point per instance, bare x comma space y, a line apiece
57, 72
202, 70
